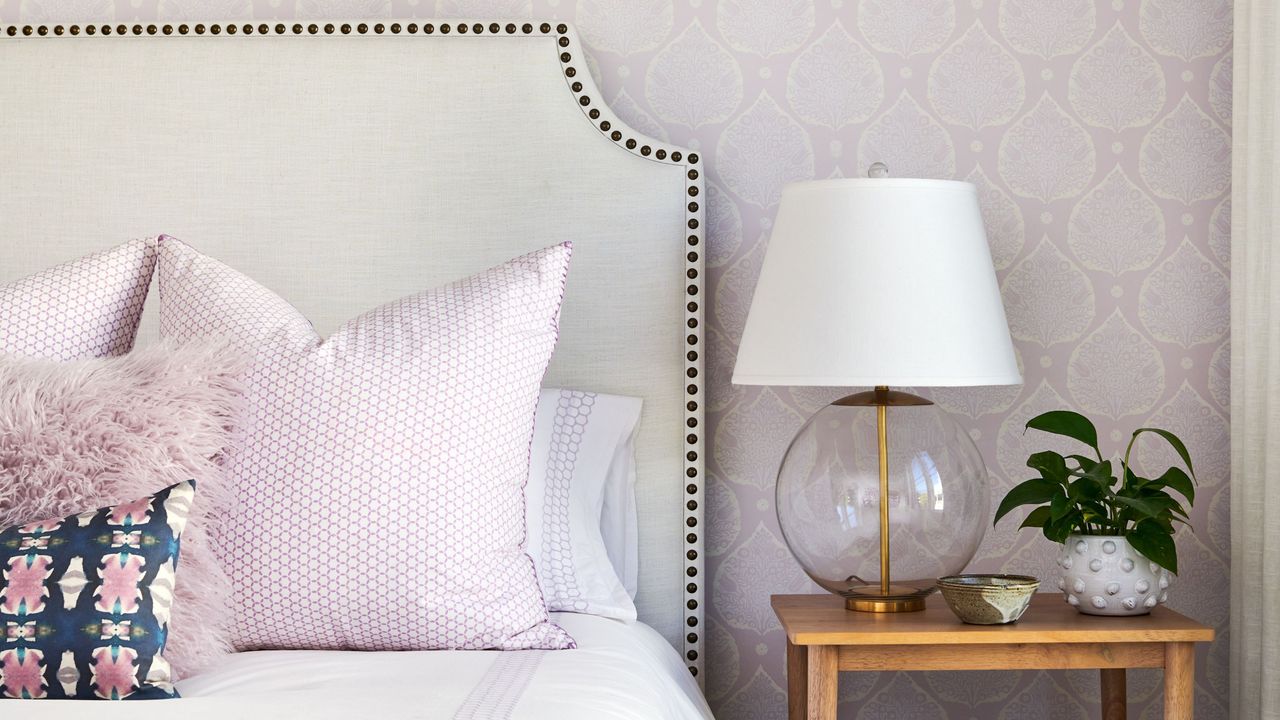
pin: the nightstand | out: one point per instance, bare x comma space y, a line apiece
824, 639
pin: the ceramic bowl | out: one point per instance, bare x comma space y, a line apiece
988, 599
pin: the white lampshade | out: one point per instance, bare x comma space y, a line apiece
877, 281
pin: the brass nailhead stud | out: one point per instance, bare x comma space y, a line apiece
151, 30
693, 157
594, 113
693, 224
57, 30
692, 605
693, 239
495, 27
661, 154
280, 28
691, 439
675, 156
231, 29
691, 522
428, 28
216, 29
346, 29
395, 28
616, 135
691, 588
379, 28
646, 150
297, 28
313, 28
565, 57
328, 28
362, 28
444, 29
631, 144
413, 28
137, 29
691, 456
692, 621
75, 30
691, 538
564, 42
42, 31
691, 572
462, 28
526, 28
692, 555
511, 28
562, 28
545, 27
693, 191
691, 355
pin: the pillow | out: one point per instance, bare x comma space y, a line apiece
85, 600
84, 309
381, 481
97, 432
579, 456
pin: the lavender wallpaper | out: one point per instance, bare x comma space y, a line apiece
1098, 133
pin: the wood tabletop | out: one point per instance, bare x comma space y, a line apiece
823, 620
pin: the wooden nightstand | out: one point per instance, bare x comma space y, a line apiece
824, 639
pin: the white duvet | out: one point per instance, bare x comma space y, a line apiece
622, 671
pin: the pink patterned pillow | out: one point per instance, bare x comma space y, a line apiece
381, 480
86, 308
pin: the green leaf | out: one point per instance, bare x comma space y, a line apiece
1175, 479
1156, 543
1067, 423
1051, 465
1060, 506
1147, 507
1058, 531
1031, 492
1036, 518
1174, 442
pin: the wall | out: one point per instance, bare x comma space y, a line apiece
1099, 135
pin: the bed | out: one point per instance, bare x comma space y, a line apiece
349, 163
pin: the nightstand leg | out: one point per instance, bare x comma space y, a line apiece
797, 681
824, 682
1114, 694
1179, 680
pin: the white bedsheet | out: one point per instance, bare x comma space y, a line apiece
622, 671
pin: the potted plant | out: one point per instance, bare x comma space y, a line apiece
1116, 527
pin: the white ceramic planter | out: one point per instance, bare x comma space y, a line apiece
1104, 575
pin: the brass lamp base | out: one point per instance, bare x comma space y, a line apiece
899, 598
885, 605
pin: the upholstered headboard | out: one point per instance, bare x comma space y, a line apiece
345, 164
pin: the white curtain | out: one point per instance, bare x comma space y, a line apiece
1255, 364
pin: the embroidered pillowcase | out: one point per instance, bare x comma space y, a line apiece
582, 453
85, 601
83, 309
381, 480
89, 433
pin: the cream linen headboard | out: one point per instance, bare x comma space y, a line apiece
344, 164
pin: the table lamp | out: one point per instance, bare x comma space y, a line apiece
879, 282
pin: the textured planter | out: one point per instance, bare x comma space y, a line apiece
1104, 575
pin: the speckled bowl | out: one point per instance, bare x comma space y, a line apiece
988, 599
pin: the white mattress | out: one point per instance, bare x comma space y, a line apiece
620, 671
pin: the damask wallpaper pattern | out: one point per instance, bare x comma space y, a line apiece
1098, 133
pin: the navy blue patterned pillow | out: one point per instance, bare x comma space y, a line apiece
84, 601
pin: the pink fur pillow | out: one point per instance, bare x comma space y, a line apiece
97, 432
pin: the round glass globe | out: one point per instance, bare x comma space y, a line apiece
828, 498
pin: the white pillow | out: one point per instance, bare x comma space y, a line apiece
582, 452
